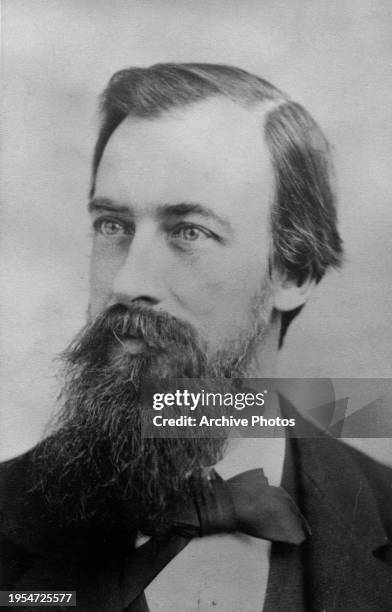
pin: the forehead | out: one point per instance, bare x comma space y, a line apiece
213, 152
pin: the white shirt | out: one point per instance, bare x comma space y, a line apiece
225, 572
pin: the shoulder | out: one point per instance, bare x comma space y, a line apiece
329, 454
15, 515
20, 507
15, 481
348, 479
378, 477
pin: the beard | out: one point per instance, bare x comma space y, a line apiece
96, 468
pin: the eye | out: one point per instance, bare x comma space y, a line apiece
190, 233
109, 227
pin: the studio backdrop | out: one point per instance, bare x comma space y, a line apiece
333, 56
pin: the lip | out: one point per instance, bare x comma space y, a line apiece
134, 346
130, 345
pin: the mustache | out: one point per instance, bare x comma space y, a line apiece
160, 331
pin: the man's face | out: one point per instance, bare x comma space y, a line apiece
179, 287
181, 220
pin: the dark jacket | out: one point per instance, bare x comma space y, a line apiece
345, 565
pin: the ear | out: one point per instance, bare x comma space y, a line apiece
288, 295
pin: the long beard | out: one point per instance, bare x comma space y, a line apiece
96, 467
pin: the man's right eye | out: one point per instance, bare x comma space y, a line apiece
110, 227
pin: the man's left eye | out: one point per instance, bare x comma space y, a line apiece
190, 233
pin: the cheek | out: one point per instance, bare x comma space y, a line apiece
104, 264
220, 296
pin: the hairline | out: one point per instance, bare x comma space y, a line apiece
267, 106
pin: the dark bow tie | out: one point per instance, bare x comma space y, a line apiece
244, 503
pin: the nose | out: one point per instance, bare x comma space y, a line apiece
141, 278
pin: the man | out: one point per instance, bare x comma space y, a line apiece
213, 218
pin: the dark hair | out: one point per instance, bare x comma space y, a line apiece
305, 239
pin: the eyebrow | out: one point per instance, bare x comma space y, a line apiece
174, 210
97, 204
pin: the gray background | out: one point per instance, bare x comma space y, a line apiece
334, 56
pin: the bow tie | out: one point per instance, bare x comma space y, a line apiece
245, 503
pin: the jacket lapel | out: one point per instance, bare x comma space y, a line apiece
342, 571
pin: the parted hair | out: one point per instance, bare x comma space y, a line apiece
305, 238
